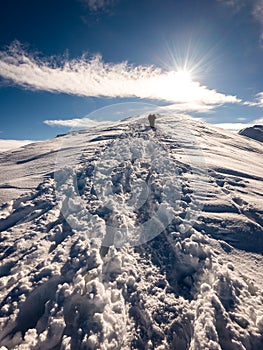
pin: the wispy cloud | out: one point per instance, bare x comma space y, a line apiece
236, 127
235, 4
258, 14
73, 123
258, 121
98, 5
118, 113
193, 106
258, 101
91, 76
255, 7
87, 123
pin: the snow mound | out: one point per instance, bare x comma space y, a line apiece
254, 132
122, 237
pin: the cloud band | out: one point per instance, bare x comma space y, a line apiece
92, 77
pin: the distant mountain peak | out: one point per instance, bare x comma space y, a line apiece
253, 132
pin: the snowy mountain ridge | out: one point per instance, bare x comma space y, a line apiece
122, 237
254, 132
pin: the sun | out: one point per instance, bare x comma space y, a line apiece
183, 76
176, 85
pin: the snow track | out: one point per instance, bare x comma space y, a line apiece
139, 242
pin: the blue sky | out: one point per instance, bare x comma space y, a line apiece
62, 60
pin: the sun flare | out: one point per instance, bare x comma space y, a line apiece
176, 86
184, 76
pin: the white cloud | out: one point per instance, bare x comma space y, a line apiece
93, 77
73, 123
236, 4
87, 123
121, 111
258, 121
254, 6
236, 127
6, 145
258, 101
258, 11
95, 5
194, 106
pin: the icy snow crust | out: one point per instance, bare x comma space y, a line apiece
121, 237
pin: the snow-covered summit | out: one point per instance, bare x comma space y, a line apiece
122, 237
254, 132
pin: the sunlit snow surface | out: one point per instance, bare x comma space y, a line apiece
122, 237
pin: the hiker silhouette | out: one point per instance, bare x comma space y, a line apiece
151, 118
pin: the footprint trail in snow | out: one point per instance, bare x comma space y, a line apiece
139, 242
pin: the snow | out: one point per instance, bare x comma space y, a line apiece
122, 237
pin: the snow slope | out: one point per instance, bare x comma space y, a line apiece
121, 237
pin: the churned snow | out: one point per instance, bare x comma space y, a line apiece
123, 237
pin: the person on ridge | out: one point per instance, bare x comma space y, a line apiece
151, 118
